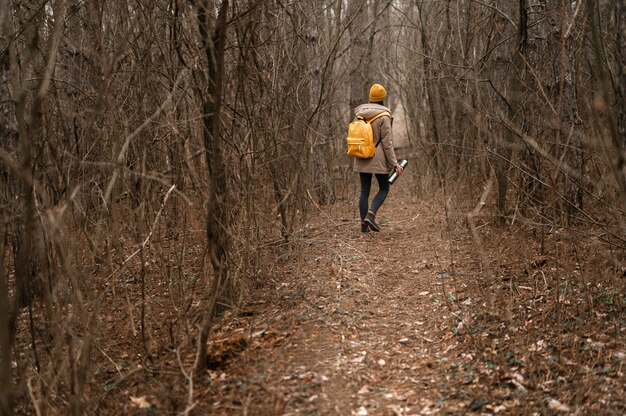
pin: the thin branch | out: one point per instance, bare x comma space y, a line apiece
145, 242
182, 75
472, 224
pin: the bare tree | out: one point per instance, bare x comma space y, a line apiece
620, 47
213, 38
111, 111
9, 183
612, 144
356, 14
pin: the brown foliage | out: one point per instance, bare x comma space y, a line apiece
159, 160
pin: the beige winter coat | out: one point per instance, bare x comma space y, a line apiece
385, 158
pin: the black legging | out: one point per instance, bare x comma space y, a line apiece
366, 185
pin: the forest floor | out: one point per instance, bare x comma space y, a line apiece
421, 318
406, 322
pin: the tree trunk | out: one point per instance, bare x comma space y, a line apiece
613, 145
213, 40
620, 47
562, 94
506, 97
371, 70
532, 190
429, 86
318, 143
7, 334
356, 13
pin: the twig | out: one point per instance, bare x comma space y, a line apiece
323, 212
135, 133
145, 242
447, 217
117, 367
571, 23
32, 397
189, 376
470, 220
167, 195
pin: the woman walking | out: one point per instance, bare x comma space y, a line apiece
383, 162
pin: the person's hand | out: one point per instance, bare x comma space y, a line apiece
399, 169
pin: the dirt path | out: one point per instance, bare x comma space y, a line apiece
395, 323
355, 324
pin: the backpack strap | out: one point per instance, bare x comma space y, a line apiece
381, 114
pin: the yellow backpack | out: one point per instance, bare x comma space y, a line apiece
361, 137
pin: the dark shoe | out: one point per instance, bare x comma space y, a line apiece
364, 228
371, 222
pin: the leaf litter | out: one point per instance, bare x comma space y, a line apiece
406, 322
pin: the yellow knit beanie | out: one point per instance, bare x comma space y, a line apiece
377, 93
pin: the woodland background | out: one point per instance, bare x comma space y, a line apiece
157, 156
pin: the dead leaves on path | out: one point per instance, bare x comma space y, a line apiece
406, 323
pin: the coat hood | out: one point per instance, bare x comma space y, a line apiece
369, 110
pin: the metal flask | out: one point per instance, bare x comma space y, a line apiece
394, 175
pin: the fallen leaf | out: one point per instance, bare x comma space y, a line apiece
556, 405
412, 398
358, 359
538, 346
140, 402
